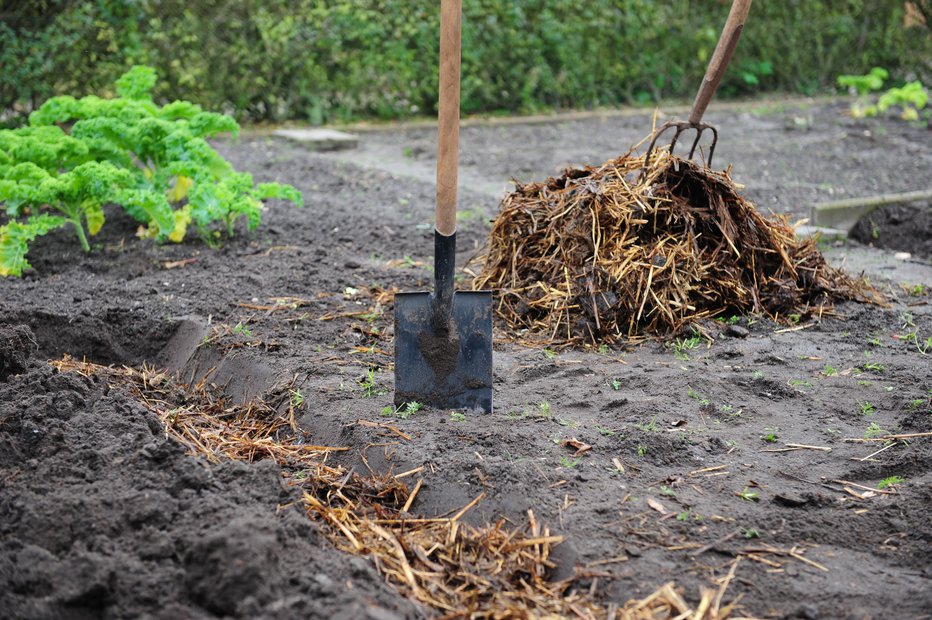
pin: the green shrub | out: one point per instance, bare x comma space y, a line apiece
331, 60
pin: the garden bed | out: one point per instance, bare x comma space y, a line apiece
760, 448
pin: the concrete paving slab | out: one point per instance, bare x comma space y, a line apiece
320, 139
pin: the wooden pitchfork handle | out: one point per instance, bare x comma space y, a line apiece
724, 50
448, 117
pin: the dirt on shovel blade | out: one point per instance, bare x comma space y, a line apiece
619, 251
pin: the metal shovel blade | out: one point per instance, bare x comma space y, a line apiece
451, 369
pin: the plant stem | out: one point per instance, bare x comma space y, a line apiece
80, 229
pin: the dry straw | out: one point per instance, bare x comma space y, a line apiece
460, 571
615, 251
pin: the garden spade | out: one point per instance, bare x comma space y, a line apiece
443, 340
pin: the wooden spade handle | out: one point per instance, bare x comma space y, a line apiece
727, 43
448, 120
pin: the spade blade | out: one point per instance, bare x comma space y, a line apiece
444, 370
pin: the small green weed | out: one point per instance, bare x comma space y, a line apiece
867, 408
749, 533
770, 435
829, 371
650, 427
872, 366
641, 450
874, 430
297, 398
570, 463
682, 345
889, 482
242, 329
457, 416
616, 384
749, 495
697, 396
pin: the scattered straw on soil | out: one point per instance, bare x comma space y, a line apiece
615, 251
495, 571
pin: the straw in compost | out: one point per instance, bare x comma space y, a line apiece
614, 251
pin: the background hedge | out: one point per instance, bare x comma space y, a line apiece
327, 60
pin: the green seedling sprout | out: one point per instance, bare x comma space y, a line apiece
570, 463
889, 482
749, 495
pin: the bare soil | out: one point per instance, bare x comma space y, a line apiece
691, 462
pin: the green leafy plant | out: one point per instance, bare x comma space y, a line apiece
874, 430
770, 435
681, 345
872, 366
404, 411
749, 495
889, 481
457, 416
910, 98
242, 329
650, 426
570, 463
368, 384
152, 161
867, 408
749, 533
862, 86
697, 396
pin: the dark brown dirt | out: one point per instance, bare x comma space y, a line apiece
901, 227
16, 343
100, 517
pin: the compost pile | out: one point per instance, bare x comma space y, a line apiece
618, 250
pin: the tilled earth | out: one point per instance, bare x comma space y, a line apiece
691, 465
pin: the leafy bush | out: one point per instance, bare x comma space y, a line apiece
910, 98
153, 161
344, 59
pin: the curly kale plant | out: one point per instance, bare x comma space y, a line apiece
78, 155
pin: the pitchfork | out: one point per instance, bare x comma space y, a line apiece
727, 43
